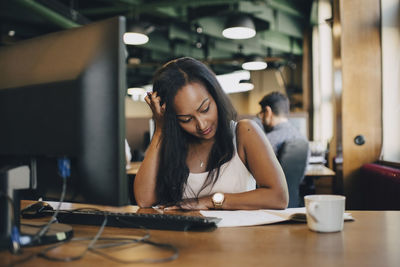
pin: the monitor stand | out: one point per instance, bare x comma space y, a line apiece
13, 179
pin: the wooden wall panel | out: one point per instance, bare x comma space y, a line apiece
362, 92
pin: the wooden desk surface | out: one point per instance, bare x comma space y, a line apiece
318, 170
134, 167
371, 240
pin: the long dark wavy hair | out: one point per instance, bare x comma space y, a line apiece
173, 172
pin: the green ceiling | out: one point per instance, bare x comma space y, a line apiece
175, 28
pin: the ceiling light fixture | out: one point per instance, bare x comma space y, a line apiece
137, 93
255, 63
239, 27
230, 81
136, 35
135, 38
246, 85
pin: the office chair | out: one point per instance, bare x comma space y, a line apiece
293, 157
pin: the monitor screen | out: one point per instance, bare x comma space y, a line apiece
62, 95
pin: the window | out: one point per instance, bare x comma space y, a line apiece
390, 10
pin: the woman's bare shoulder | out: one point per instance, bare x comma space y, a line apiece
248, 131
247, 126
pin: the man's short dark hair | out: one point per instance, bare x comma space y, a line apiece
278, 102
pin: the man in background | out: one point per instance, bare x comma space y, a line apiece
273, 116
290, 146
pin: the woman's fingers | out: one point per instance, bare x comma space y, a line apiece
172, 208
147, 98
163, 108
187, 204
153, 100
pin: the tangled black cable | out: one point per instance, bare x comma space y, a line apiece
116, 243
96, 249
92, 247
19, 252
53, 218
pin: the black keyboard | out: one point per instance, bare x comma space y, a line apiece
138, 220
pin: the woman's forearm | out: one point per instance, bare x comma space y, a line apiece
261, 198
146, 177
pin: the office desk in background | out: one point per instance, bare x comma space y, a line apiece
371, 240
313, 175
313, 171
316, 170
133, 167
322, 178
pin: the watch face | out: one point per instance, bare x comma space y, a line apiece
218, 197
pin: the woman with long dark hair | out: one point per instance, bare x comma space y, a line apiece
199, 156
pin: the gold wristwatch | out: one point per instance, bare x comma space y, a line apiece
218, 200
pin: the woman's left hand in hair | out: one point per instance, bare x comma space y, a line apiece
154, 102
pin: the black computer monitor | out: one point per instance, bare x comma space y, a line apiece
62, 95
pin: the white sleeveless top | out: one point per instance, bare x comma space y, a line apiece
233, 177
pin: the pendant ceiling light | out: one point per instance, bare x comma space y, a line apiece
136, 35
246, 85
255, 63
239, 27
137, 93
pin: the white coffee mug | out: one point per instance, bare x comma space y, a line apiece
325, 212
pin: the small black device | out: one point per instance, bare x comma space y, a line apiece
36, 210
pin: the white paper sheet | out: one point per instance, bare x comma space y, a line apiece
234, 218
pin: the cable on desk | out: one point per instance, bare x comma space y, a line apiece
14, 236
149, 260
122, 241
95, 248
53, 218
15, 247
92, 247
43, 253
64, 170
